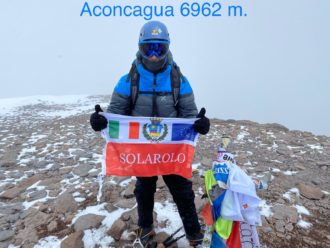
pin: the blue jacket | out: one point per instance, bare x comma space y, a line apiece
161, 84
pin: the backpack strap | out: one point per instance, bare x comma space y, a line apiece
176, 79
134, 78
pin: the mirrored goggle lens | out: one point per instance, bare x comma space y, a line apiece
157, 49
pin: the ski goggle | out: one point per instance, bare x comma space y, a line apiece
154, 49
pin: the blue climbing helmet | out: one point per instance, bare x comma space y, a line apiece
154, 40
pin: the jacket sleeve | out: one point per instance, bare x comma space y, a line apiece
186, 106
121, 100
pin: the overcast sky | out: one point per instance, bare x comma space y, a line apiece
271, 66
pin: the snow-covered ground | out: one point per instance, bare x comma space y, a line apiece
53, 106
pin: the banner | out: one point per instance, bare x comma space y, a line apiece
149, 146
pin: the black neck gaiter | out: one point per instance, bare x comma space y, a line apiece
154, 66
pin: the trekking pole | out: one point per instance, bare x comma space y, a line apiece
167, 242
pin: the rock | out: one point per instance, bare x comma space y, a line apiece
161, 236
279, 226
316, 182
37, 195
310, 191
7, 164
27, 237
286, 213
110, 193
52, 226
15, 174
132, 216
160, 183
299, 167
11, 217
125, 203
6, 234
129, 191
267, 229
199, 203
82, 169
18, 189
74, 240
65, 170
206, 161
88, 221
110, 207
49, 181
275, 126
117, 229
283, 151
37, 219
29, 212
94, 173
65, 203
289, 227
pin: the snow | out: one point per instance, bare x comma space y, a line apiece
304, 224
295, 190
325, 192
276, 170
242, 135
96, 238
265, 209
293, 147
302, 210
271, 134
195, 166
290, 173
248, 163
276, 161
49, 242
287, 195
35, 185
315, 146
79, 199
77, 104
125, 182
274, 146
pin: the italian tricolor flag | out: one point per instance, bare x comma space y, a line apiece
144, 146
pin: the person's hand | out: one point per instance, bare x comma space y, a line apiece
202, 125
98, 122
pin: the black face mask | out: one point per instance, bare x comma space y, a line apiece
154, 66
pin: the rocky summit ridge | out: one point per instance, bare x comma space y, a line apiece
52, 194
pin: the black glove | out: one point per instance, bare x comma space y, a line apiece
202, 125
98, 122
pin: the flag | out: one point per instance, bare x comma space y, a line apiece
149, 146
